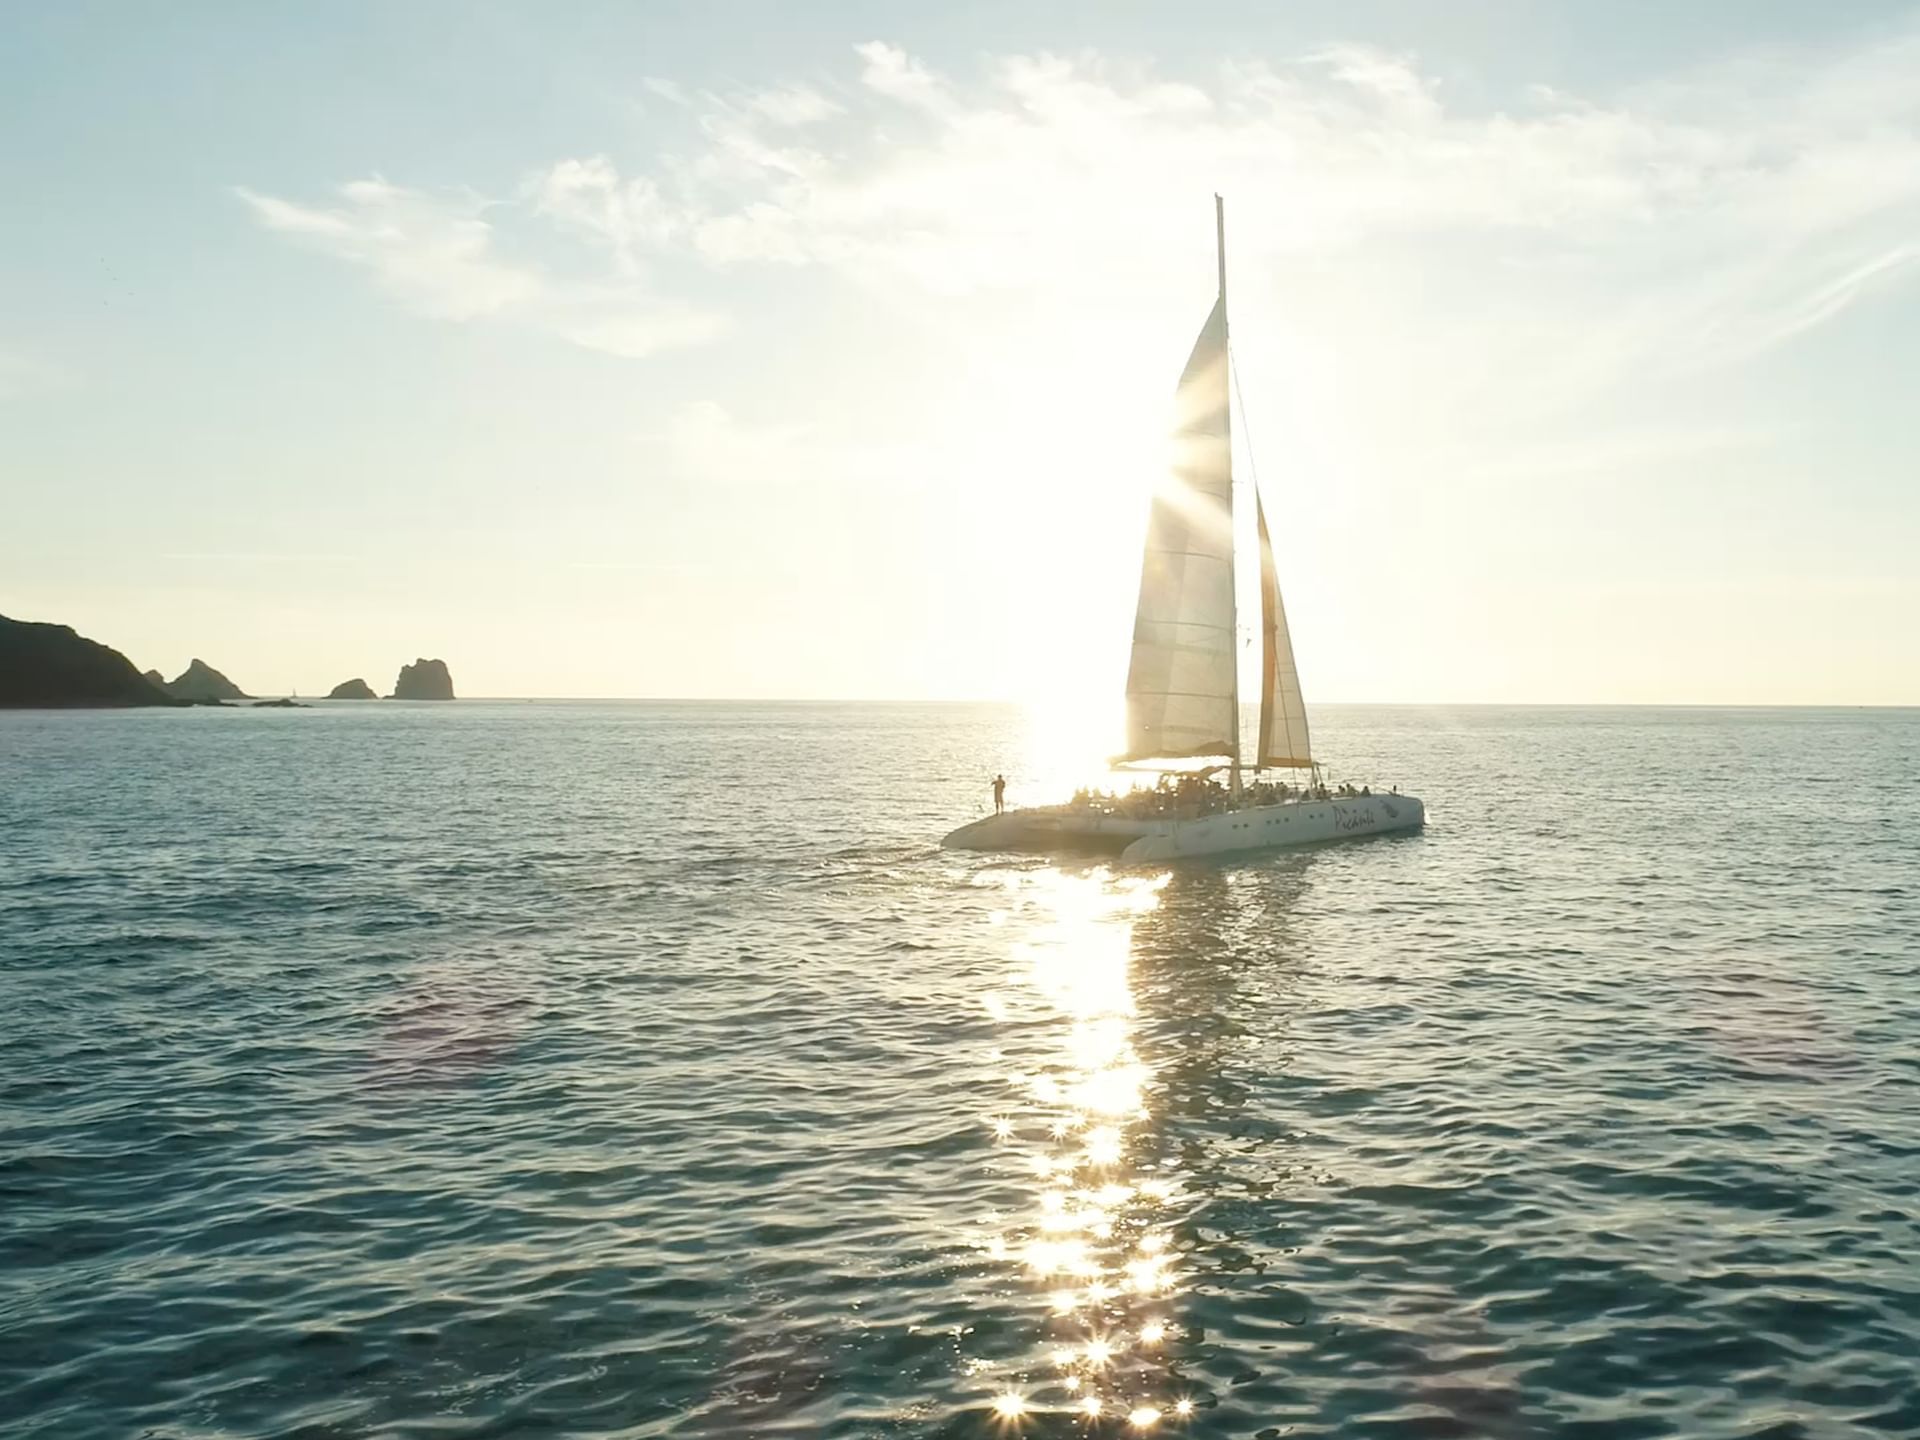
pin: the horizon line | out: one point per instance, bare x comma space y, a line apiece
1031, 704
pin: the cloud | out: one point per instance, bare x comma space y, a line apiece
434, 254
792, 105
1742, 190
890, 71
1830, 296
589, 197
1673, 227
439, 255
666, 89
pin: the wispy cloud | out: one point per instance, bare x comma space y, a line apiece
792, 105
438, 254
888, 70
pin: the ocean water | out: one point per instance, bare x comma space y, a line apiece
647, 1070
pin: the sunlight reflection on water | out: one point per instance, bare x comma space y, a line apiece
1093, 1244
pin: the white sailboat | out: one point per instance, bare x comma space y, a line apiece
1183, 685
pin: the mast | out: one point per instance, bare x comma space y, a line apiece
1220, 248
1220, 240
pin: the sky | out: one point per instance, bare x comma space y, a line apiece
827, 351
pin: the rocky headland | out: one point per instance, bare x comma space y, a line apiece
44, 665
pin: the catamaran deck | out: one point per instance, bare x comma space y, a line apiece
1070, 829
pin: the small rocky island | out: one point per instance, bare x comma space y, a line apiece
424, 680
45, 665
200, 683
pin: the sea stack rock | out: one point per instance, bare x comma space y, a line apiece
200, 683
355, 689
424, 680
155, 679
49, 665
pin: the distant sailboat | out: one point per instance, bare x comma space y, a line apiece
1183, 681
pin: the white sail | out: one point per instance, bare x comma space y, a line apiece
1182, 688
1283, 711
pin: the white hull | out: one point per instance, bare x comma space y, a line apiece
1261, 827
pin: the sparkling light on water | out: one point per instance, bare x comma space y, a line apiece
1071, 950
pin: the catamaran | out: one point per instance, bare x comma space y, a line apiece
1183, 682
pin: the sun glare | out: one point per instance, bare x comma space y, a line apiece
1070, 735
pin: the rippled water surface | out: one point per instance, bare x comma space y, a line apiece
646, 1070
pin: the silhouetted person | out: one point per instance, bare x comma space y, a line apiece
999, 794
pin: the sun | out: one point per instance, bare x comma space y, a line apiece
1069, 735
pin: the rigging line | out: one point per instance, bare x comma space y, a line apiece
1246, 427
1253, 463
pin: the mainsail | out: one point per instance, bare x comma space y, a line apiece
1283, 713
1183, 690
1183, 694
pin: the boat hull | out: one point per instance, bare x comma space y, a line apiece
1064, 830
1049, 831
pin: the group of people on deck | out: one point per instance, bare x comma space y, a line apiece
1186, 795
